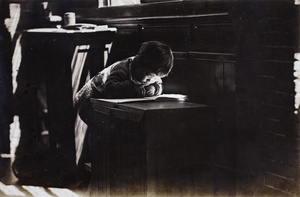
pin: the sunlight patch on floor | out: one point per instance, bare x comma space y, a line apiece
62, 192
10, 190
37, 191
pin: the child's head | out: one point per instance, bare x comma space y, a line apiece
154, 59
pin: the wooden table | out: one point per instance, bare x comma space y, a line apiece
151, 148
50, 74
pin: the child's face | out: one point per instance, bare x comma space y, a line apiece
143, 76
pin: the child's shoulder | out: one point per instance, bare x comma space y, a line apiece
122, 64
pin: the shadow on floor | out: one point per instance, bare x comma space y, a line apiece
39, 175
43, 185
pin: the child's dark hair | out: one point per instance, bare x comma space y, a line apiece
155, 56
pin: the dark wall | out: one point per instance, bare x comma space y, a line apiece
267, 137
238, 57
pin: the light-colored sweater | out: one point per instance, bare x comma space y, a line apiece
114, 81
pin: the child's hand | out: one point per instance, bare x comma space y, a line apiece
150, 90
157, 80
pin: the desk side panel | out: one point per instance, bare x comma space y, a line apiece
179, 152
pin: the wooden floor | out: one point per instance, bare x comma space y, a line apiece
11, 186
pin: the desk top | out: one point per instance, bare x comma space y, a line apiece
147, 105
157, 105
38, 36
136, 110
69, 31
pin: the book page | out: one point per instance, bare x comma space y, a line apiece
162, 97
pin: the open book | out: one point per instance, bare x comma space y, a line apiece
163, 97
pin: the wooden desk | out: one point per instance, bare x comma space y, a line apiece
50, 74
151, 148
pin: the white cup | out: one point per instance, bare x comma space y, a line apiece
69, 18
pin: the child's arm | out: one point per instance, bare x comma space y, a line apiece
154, 89
119, 86
93, 88
84, 93
158, 85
